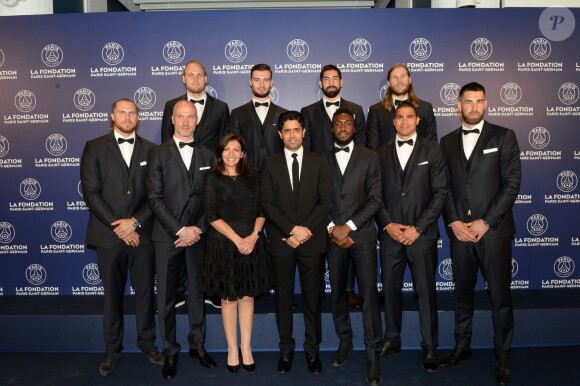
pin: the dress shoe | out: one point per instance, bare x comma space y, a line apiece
456, 355
109, 363
374, 376
169, 369
503, 374
285, 362
204, 358
179, 301
352, 299
430, 360
341, 355
154, 356
313, 362
214, 301
248, 368
390, 348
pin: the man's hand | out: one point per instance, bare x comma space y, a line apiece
395, 230
188, 236
478, 228
302, 234
463, 231
292, 242
132, 239
409, 235
123, 227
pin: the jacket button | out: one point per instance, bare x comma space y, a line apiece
128, 192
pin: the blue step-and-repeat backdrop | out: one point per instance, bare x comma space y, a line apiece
59, 75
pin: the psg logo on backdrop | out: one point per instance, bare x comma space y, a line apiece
567, 181
4, 146
173, 52
112, 53
236, 51
145, 98
360, 49
540, 48
52, 55
537, 224
80, 188
568, 93
211, 91
274, 94
61, 231
382, 92
91, 274
450, 93
564, 266
30, 189
25, 101
297, 50
7, 232
539, 137
510, 93
35, 274
84, 99
515, 267
420, 49
56, 144
481, 49
1, 58
446, 269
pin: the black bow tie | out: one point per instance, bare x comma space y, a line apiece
399, 101
336, 149
258, 104
122, 140
183, 144
337, 104
201, 101
408, 142
465, 132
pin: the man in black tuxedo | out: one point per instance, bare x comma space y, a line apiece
295, 188
356, 197
380, 128
318, 116
484, 171
212, 113
414, 193
113, 181
257, 120
175, 183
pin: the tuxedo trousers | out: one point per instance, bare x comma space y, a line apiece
493, 256
421, 257
115, 264
310, 273
169, 261
363, 255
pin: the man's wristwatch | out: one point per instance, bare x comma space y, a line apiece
136, 224
419, 230
485, 223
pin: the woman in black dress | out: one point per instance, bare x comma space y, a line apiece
236, 264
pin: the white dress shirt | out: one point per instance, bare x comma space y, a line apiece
186, 152
262, 111
470, 140
199, 107
126, 147
289, 160
404, 152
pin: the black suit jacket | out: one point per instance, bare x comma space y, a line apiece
114, 191
380, 127
209, 130
262, 140
176, 194
356, 195
283, 213
318, 136
418, 198
490, 187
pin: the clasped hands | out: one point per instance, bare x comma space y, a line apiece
339, 235
404, 234
188, 236
125, 230
246, 245
469, 231
300, 235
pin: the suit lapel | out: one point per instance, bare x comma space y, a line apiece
395, 167
413, 158
335, 169
116, 152
174, 151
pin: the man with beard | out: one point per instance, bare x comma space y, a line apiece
484, 171
318, 121
318, 116
380, 128
113, 180
414, 193
356, 197
175, 184
212, 113
213, 116
257, 120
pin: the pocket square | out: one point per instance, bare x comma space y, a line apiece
485, 151
143, 163
205, 167
423, 163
